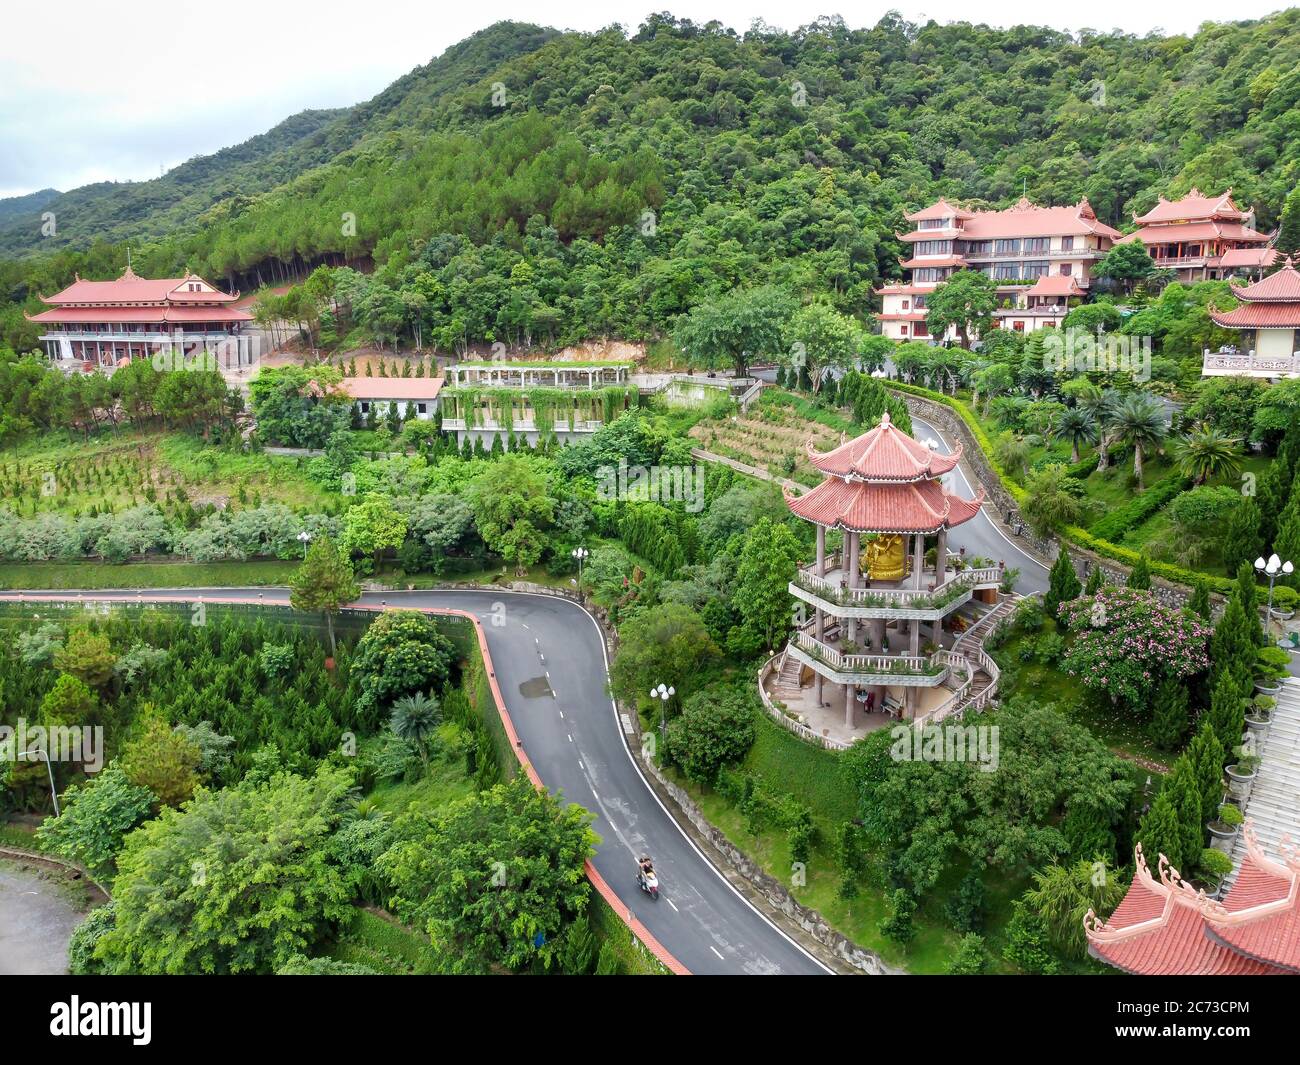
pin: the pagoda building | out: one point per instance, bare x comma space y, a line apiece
1164, 927
1039, 258
875, 598
102, 324
1203, 237
1269, 321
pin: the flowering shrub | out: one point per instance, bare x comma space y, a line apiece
1125, 641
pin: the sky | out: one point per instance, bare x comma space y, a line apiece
93, 91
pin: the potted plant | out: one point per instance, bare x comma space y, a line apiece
1271, 669
1259, 715
1284, 603
1224, 828
1213, 867
1242, 773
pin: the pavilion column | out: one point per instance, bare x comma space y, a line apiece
941, 556
820, 680
918, 556
853, 541
819, 622
848, 706
910, 704
821, 550
915, 637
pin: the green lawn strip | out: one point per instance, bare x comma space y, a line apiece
21, 836
633, 958
91, 575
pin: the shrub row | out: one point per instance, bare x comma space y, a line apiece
1115, 523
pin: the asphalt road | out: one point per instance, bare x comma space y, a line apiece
550, 663
981, 536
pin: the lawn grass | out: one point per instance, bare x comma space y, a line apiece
20, 836
131, 575
389, 948
633, 958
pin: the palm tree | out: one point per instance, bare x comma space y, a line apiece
1076, 425
1139, 421
415, 718
1012, 454
1206, 452
1101, 405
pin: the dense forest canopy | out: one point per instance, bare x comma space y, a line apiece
660, 169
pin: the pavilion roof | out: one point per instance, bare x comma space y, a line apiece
1260, 918
1270, 303
1159, 929
883, 453
1055, 285
910, 507
941, 208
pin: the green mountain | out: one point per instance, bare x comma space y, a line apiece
29, 206
529, 183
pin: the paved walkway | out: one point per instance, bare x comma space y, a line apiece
1273, 808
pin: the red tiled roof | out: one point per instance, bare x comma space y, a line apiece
1055, 285
1026, 219
884, 453
392, 387
928, 234
912, 507
941, 208
1170, 234
130, 288
1280, 287
1192, 206
1159, 929
1259, 316
1260, 918
905, 290
146, 315
1235, 257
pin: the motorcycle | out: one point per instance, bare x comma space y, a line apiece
648, 882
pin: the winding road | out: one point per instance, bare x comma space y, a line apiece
549, 657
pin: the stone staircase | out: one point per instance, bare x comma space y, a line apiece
1273, 808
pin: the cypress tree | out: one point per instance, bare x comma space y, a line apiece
1095, 581
1140, 576
1272, 492
1232, 647
1247, 592
1169, 720
1288, 234
1161, 833
1287, 543
1062, 584
1183, 789
1199, 604
1207, 757
1242, 543
1227, 715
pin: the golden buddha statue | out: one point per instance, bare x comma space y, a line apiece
884, 558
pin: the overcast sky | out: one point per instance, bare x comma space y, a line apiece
93, 91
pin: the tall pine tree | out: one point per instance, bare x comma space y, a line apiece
1062, 584
1169, 719
1140, 575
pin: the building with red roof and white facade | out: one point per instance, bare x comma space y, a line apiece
1040, 257
884, 494
1203, 237
1164, 927
99, 324
1268, 319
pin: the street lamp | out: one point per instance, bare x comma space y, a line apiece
663, 693
49, 769
580, 553
304, 538
1272, 568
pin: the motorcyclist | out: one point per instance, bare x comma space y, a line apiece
647, 868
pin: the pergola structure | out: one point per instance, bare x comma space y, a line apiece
524, 374
883, 493
1164, 927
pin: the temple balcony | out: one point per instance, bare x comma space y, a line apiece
1233, 363
928, 599
841, 663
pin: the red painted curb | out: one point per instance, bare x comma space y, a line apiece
598, 882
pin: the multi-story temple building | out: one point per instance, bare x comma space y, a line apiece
98, 324
1268, 319
880, 605
1202, 237
1040, 257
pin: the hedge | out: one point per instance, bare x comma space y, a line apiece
1117, 522
1071, 533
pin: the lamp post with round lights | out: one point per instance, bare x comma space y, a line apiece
304, 538
663, 693
1271, 569
580, 553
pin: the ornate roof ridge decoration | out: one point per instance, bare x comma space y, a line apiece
1104, 932
927, 463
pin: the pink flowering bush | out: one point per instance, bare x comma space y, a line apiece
1124, 641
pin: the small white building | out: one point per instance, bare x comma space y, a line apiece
415, 397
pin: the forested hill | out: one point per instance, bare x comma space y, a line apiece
762, 156
119, 211
30, 205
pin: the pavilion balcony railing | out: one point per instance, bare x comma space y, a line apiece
1173, 262
524, 425
1251, 363
936, 597
139, 338
933, 668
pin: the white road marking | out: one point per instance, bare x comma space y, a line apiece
627, 724
561, 715
581, 766
715, 951
570, 737
672, 904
